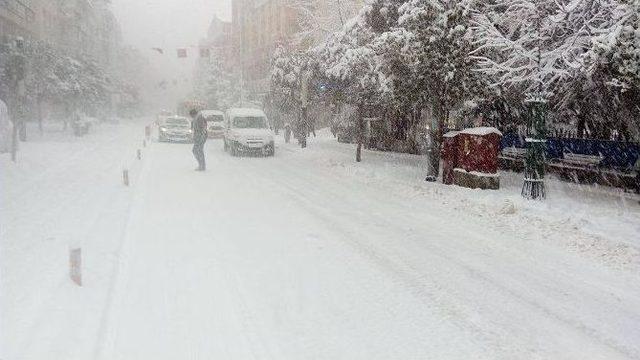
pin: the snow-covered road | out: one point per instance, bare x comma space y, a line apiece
309, 256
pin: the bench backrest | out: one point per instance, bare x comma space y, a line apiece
514, 151
584, 159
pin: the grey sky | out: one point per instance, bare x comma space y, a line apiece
167, 23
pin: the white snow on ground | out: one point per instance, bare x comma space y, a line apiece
307, 255
63, 192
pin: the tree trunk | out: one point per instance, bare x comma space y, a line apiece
14, 141
40, 127
23, 130
360, 135
440, 115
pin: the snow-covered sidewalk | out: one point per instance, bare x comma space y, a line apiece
309, 255
64, 192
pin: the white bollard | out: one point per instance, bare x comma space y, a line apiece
75, 266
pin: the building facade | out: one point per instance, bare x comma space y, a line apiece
260, 26
75, 27
219, 43
17, 19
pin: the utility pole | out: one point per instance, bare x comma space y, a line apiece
304, 105
17, 71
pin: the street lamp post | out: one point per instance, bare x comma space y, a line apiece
536, 141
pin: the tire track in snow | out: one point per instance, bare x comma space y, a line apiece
411, 277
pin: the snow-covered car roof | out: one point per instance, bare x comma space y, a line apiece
237, 112
176, 117
207, 113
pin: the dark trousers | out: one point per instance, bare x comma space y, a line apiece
198, 152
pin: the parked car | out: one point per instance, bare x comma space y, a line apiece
215, 123
81, 124
248, 131
162, 116
175, 129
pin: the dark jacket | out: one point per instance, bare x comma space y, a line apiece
199, 127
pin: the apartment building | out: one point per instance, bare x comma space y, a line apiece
260, 26
219, 42
75, 27
17, 19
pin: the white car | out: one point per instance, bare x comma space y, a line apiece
215, 123
175, 129
162, 117
248, 131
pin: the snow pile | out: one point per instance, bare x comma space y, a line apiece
599, 223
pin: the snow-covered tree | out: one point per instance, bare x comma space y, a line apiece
603, 96
49, 76
436, 45
540, 47
290, 71
319, 19
216, 85
350, 61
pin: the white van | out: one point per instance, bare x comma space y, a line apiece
248, 131
215, 123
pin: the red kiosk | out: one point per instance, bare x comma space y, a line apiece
470, 158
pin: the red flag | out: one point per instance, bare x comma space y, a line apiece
182, 53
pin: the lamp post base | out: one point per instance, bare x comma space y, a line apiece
534, 189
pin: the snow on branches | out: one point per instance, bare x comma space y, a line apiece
583, 56
215, 84
540, 44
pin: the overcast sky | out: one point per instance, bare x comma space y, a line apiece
167, 23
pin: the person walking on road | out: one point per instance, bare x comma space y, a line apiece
199, 128
287, 133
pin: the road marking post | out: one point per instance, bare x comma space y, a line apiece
139, 154
75, 266
125, 177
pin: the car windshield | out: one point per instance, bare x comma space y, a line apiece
214, 118
250, 122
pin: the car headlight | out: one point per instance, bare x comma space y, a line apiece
190, 131
163, 129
